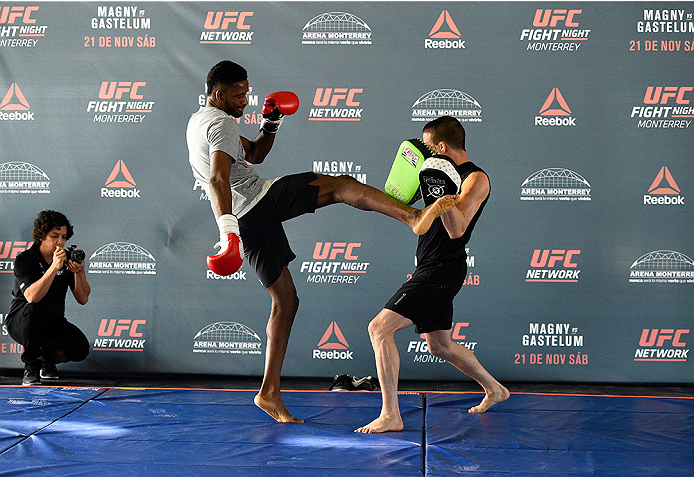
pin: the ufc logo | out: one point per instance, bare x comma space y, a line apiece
548, 17
332, 250
116, 89
456, 331
328, 96
222, 20
547, 258
660, 95
10, 14
659, 337
117, 327
12, 249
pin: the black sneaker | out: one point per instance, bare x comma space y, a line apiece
365, 384
49, 371
342, 382
32, 373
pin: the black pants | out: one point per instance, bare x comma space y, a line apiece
51, 339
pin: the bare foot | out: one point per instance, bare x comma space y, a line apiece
426, 217
276, 409
382, 424
490, 399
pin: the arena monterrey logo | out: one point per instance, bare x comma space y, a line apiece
23, 178
227, 337
555, 183
446, 102
662, 266
336, 28
122, 258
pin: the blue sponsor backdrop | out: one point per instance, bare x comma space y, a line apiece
581, 113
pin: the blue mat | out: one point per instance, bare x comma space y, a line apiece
159, 432
554, 435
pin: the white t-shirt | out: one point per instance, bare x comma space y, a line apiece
209, 130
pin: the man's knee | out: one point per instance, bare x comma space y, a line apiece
441, 348
378, 329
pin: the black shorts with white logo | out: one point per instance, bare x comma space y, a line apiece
428, 304
265, 243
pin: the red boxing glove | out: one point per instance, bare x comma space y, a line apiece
276, 106
286, 103
229, 259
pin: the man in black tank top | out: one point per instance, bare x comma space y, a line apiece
426, 300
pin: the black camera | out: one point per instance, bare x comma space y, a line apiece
74, 254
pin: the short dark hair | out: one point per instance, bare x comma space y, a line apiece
447, 129
225, 73
48, 220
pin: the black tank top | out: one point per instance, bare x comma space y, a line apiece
438, 255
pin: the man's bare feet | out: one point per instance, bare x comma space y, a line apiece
382, 424
426, 217
491, 399
276, 409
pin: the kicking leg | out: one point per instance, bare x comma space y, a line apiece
441, 346
347, 190
382, 331
285, 304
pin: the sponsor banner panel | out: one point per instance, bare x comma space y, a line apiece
579, 269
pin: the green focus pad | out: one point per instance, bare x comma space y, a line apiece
403, 180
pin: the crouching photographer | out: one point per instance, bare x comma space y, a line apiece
36, 319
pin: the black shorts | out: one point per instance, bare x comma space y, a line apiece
265, 244
428, 304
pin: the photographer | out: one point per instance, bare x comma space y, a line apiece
37, 315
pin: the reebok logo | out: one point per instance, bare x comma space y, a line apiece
120, 183
333, 340
444, 34
328, 101
662, 188
554, 111
15, 101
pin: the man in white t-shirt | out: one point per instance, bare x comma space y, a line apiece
247, 205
